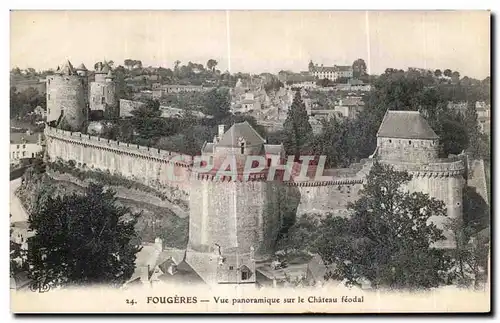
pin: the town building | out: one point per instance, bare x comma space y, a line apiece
157, 265
332, 73
25, 146
160, 90
483, 116
459, 107
350, 107
39, 111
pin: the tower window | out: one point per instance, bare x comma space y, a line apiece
244, 275
242, 147
390, 141
103, 100
409, 142
231, 267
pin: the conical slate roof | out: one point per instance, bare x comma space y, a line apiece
405, 125
68, 69
105, 69
102, 68
241, 130
81, 67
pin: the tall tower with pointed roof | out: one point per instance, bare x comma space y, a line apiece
66, 97
103, 92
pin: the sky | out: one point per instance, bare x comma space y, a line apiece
255, 41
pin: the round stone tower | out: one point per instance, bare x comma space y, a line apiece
407, 142
234, 216
103, 92
66, 98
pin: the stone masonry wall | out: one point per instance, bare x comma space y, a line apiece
233, 214
329, 198
103, 97
153, 167
66, 92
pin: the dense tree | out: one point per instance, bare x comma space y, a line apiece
15, 71
297, 126
323, 82
391, 237
82, 239
472, 238
447, 72
23, 103
310, 66
473, 128
301, 235
332, 142
452, 132
132, 63
217, 103
455, 76
438, 73
177, 63
358, 68
17, 256
123, 90
211, 63
273, 85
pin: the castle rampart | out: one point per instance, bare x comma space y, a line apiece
154, 167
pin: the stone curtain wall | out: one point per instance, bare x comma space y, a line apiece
213, 204
477, 178
145, 165
331, 197
233, 214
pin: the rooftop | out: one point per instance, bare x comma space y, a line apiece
405, 125
81, 67
335, 68
241, 130
102, 68
67, 68
18, 138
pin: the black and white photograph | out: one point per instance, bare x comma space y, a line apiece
250, 161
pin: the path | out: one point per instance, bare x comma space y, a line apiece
17, 210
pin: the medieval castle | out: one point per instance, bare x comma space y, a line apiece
233, 224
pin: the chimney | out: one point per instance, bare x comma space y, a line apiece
159, 244
221, 130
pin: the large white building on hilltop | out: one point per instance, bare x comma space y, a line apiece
331, 73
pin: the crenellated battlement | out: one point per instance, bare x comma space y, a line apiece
447, 167
159, 155
313, 183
